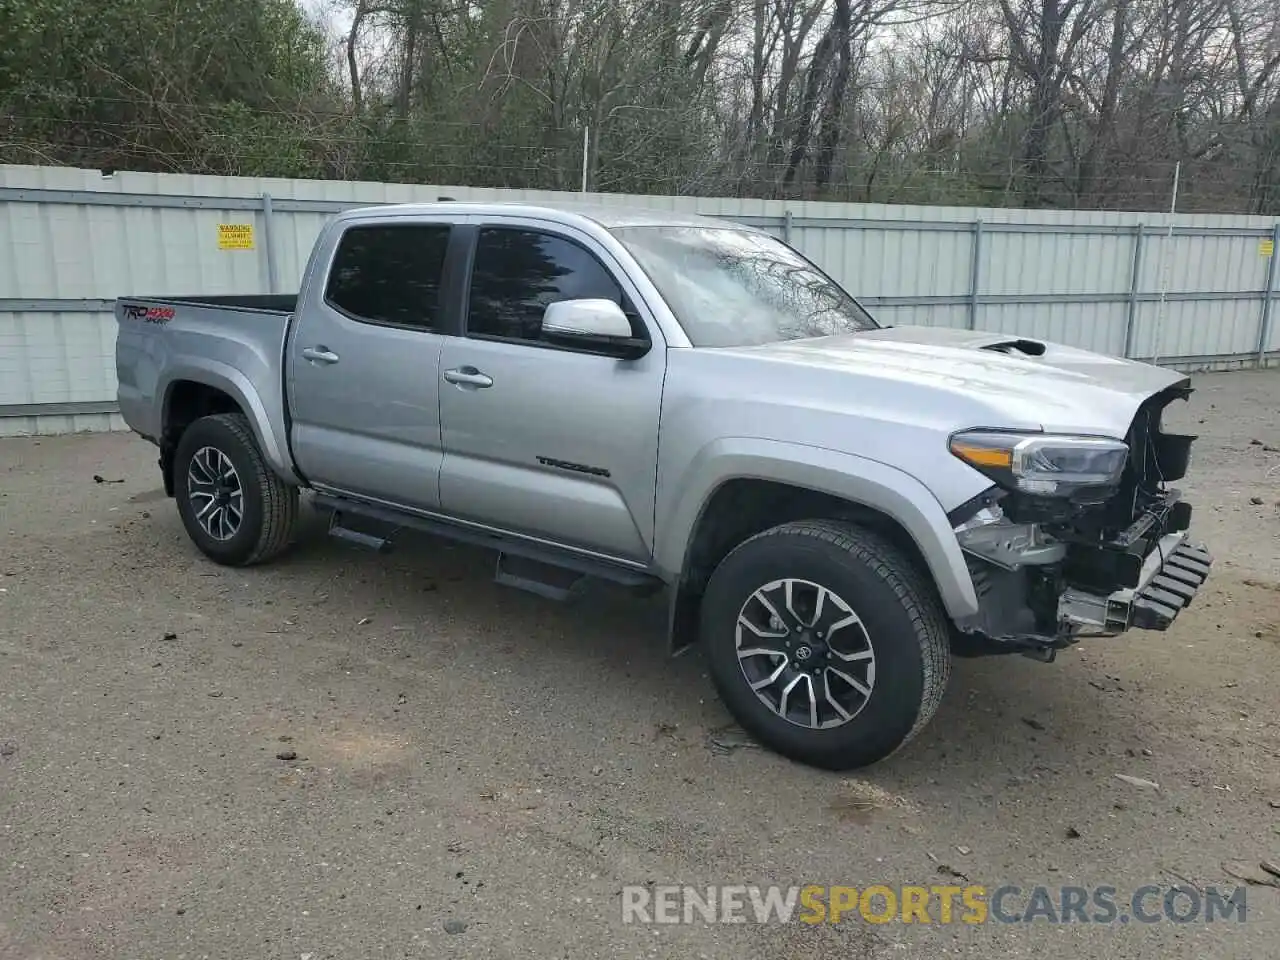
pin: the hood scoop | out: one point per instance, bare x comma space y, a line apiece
1030, 348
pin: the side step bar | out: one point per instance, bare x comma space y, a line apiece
367, 540
545, 570
544, 579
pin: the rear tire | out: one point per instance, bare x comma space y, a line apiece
236, 510
850, 684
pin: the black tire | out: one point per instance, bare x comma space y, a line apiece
905, 628
270, 506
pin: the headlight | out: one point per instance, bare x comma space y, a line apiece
1042, 464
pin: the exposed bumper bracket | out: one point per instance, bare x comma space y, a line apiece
1171, 575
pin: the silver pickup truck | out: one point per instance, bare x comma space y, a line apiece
683, 404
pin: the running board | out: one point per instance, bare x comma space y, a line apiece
533, 576
542, 568
367, 540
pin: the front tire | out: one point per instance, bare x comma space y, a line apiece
236, 510
826, 643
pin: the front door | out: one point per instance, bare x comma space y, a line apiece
364, 366
539, 440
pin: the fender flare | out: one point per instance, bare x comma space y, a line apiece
860, 480
236, 385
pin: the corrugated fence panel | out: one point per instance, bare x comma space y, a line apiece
890, 263
1061, 275
1232, 266
69, 251
1203, 264
176, 252
62, 357
1055, 263
17, 360
1197, 328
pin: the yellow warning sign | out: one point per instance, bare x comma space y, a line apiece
1266, 248
235, 236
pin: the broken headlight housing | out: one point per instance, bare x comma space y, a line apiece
1044, 465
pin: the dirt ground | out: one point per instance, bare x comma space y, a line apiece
479, 772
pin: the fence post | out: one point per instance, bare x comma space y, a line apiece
268, 246
1268, 298
975, 275
1135, 274
786, 227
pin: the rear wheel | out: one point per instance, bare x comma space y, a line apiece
234, 507
825, 643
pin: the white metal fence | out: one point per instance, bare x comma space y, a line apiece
1197, 293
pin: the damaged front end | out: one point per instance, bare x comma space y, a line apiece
1078, 536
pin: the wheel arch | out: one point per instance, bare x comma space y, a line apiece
189, 394
748, 486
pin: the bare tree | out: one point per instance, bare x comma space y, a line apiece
1028, 102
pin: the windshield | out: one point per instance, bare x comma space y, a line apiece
734, 288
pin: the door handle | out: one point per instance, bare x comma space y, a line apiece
468, 376
320, 354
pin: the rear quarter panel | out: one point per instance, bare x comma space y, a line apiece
161, 343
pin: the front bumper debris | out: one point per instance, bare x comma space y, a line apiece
1170, 577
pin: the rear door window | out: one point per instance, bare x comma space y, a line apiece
390, 274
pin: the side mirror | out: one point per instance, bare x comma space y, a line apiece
598, 326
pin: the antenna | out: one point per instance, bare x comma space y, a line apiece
1164, 266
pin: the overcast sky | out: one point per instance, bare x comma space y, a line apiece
333, 12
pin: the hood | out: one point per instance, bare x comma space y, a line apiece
1023, 382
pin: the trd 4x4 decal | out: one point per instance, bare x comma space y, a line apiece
136, 311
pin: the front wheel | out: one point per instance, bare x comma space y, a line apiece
825, 643
235, 508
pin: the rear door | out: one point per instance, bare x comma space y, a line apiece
540, 440
364, 362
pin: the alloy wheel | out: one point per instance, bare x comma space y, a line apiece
215, 492
805, 653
